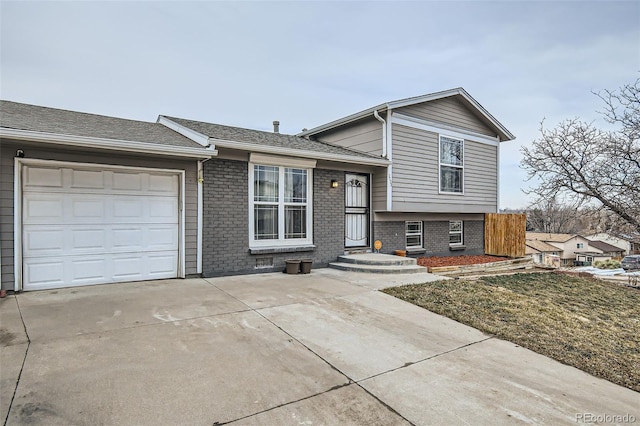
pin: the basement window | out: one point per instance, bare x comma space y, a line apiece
413, 234
455, 233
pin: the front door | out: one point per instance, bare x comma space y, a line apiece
356, 226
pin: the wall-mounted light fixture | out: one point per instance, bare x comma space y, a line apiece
334, 183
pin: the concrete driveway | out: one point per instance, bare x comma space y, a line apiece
325, 348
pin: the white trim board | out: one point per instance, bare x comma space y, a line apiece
416, 123
184, 131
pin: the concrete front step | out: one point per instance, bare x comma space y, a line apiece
378, 269
377, 259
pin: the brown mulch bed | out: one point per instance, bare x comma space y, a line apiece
433, 261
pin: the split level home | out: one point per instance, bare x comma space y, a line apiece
88, 199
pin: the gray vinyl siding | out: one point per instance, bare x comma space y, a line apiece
415, 175
379, 190
364, 136
449, 111
7, 152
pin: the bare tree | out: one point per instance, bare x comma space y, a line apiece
554, 217
590, 166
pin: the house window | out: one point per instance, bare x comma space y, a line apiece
413, 233
580, 245
455, 232
451, 165
280, 205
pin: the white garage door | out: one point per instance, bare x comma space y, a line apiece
83, 225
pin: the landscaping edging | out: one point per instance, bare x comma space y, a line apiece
503, 265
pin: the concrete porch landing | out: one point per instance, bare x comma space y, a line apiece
378, 263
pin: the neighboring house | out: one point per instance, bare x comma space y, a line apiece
102, 199
606, 250
569, 245
629, 245
599, 251
542, 253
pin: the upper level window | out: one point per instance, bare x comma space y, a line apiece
580, 245
413, 231
451, 165
280, 205
455, 232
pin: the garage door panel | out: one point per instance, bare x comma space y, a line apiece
43, 241
163, 184
87, 208
128, 239
84, 226
162, 208
162, 237
126, 208
127, 181
43, 177
43, 209
162, 265
87, 238
88, 270
87, 179
44, 274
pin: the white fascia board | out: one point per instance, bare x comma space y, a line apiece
445, 94
424, 98
197, 137
110, 144
288, 152
428, 126
344, 120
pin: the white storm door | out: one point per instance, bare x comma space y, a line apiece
356, 224
90, 225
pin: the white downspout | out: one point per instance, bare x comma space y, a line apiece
386, 153
384, 132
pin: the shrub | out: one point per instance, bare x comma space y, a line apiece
607, 264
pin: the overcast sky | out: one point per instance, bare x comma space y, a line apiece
306, 63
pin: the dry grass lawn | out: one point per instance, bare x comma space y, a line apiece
589, 324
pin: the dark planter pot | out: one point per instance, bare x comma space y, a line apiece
293, 266
305, 266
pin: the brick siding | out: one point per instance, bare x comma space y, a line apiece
226, 228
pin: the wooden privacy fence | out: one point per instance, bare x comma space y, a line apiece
505, 234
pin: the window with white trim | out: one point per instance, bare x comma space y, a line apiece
413, 233
280, 206
455, 233
580, 245
451, 165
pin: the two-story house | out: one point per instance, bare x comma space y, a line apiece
88, 199
569, 245
444, 151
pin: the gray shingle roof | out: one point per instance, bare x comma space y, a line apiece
258, 137
14, 115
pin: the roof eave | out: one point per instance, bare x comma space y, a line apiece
108, 144
344, 120
289, 152
504, 133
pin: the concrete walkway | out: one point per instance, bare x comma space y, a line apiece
325, 348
